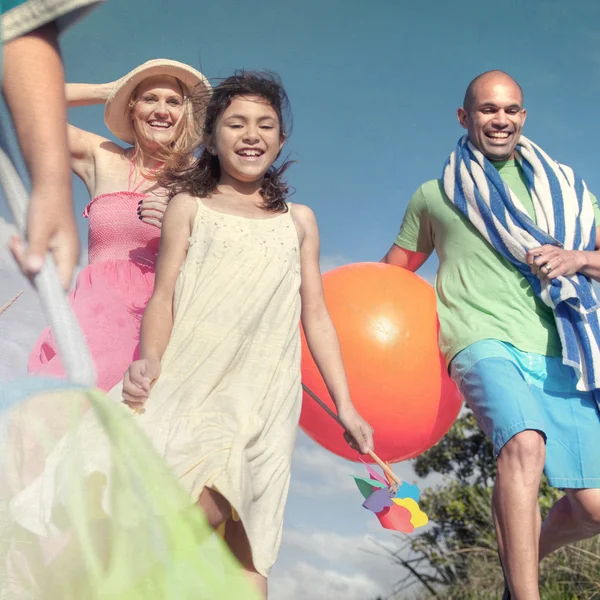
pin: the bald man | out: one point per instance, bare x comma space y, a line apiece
499, 338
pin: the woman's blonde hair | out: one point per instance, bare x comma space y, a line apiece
187, 134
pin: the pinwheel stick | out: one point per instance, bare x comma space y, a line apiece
372, 454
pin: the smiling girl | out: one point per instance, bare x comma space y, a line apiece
150, 109
218, 384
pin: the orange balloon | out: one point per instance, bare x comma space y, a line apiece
386, 320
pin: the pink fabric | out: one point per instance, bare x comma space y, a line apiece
116, 233
111, 293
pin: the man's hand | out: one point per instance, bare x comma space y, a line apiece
548, 262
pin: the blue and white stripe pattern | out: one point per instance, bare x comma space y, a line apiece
565, 217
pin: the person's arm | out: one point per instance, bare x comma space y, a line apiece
33, 85
85, 94
157, 322
407, 259
320, 333
591, 260
83, 145
414, 243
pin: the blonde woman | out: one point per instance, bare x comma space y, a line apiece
150, 109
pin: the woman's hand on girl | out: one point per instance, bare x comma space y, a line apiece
151, 210
138, 381
359, 434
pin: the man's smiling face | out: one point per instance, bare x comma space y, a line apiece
494, 115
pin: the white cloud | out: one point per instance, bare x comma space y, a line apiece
328, 474
307, 582
335, 547
325, 565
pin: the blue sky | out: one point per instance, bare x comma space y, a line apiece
374, 88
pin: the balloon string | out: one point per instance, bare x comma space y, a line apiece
372, 454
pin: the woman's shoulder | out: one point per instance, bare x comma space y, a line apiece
84, 142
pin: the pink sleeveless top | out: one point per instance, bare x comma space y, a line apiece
116, 233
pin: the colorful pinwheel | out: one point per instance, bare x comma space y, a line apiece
394, 502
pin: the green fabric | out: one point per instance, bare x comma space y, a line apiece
156, 543
480, 295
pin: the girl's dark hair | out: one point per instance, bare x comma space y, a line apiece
202, 178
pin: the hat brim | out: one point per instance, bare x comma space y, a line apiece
116, 110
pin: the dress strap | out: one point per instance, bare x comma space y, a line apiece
137, 186
130, 172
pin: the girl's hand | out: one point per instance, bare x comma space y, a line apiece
359, 434
138, 380
151, 210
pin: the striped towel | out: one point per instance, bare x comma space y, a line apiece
565, 217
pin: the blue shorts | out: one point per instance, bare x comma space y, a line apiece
510, 391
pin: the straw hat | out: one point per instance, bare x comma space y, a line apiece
116, 110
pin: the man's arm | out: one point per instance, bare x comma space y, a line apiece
414, 243
407, 259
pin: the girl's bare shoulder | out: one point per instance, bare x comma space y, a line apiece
182, 208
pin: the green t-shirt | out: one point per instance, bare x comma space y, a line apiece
480, 295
